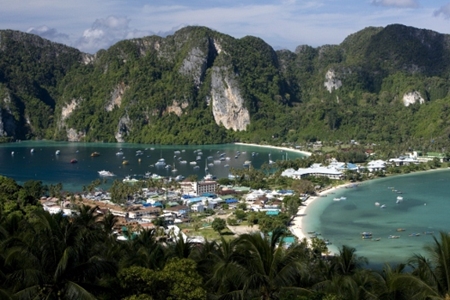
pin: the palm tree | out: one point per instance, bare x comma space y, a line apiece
270, 268
430, 278
53, 259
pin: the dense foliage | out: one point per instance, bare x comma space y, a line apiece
159, 90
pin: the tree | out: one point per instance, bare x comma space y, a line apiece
218, 225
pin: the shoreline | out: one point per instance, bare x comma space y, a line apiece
297, 222
276, 147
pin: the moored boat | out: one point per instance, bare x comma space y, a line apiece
106, 173
95, 154
73, 161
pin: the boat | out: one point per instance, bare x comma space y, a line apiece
193, 163
160, 163
12, 153
73, 161
336, 199
125, 162
95, 154
179, 178
139, 152
400, 229
105, 173
57, 152
393, 237
247, 163
414, 234
226, 166
377, 203
210, 165
428, 232
183, 162
119, 153
383, 206
177, 152
196, 168
208, 177
198, 157
32, 150
399, 199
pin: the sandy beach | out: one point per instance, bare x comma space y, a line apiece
297, 227
277, 147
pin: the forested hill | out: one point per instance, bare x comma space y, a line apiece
200, 86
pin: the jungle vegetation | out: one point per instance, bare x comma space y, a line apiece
158, 90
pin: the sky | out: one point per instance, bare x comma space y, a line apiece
91, 25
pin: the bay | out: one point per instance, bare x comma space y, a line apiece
423, 210
37, 160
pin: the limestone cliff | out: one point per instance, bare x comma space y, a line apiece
331, 81
412, 97
227, 103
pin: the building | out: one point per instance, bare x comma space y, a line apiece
316, 170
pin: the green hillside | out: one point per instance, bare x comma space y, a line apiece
199, 86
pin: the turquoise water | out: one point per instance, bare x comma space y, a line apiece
424, 209
44, 165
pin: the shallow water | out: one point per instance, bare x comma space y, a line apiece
424, 209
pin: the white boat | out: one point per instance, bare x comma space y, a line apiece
343, 198
377, 203
57, 152
399, 199
12, 153
183, 162
383, 206
177, 152
336, 199
196, 167
208, 177
193, 163
105, 173
160, 163
32, 150
217, 161
119, 153
210, 165
179, 178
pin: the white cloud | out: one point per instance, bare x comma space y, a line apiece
396, 3
106, 32
444, 11
50, 34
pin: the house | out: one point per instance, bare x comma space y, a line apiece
376, 165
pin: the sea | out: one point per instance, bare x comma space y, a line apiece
37, 160
422, 213
413, 208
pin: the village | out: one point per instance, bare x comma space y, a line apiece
178, 206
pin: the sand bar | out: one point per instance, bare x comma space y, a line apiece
276, 147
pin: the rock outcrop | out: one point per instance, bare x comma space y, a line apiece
227, 103
331, 81
412, 97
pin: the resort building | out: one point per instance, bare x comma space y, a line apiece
316, 170
376, 165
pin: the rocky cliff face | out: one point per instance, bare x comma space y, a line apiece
412, 97
331, 81
227, 102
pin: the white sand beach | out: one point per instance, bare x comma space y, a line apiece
277, 147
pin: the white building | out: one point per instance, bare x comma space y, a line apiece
316, 170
